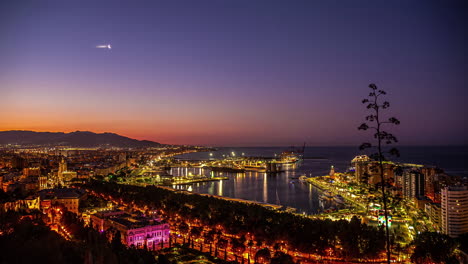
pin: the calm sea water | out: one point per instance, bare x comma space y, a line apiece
282, 189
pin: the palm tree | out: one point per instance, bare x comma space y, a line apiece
218, 234
170, 240
250, 244
184, 229
223, 243
259, 242
276, 247
195, 232
263, 256
282, 258
238, 247
208, 238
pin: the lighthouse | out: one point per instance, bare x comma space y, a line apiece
332, 171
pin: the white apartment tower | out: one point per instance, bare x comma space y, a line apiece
454, 210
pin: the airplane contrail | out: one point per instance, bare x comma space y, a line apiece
108, 46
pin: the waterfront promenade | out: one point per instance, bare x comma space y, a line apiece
350, 201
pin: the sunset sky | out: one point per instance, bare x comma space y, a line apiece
234, 73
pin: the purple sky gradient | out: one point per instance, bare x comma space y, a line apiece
234, 72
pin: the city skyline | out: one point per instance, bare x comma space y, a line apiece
234, 73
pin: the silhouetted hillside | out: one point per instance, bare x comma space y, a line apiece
73, 139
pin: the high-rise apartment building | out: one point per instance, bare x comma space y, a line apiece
413, 184
454, 203
360, 165
430, 177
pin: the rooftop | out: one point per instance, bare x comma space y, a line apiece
60, 193
130, 221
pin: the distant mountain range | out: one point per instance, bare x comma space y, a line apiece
72, 139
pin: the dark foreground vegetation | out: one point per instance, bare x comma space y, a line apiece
24, 238
343, 239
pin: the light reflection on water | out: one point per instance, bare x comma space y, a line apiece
280, 188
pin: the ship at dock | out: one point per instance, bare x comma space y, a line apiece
227, 169
257, 168
286, 161
292, 156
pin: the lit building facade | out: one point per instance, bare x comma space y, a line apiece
138, 231
454, 204
32, 172
374, 172
430, 179
64, 176
69, 198
413, 184
62, 167
434, 211
360, 165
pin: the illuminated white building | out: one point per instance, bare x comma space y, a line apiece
454, 210
360, 165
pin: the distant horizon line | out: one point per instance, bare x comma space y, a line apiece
325, 146
240, 146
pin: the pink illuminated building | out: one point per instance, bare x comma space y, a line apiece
136, 230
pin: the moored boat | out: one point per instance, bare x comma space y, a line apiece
339, 199
327, 196
303, 178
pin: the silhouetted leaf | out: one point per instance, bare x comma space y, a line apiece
374, 106
375, 156
370, 118
394, 152
363, 126
373, 86
394, 120
365, 146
